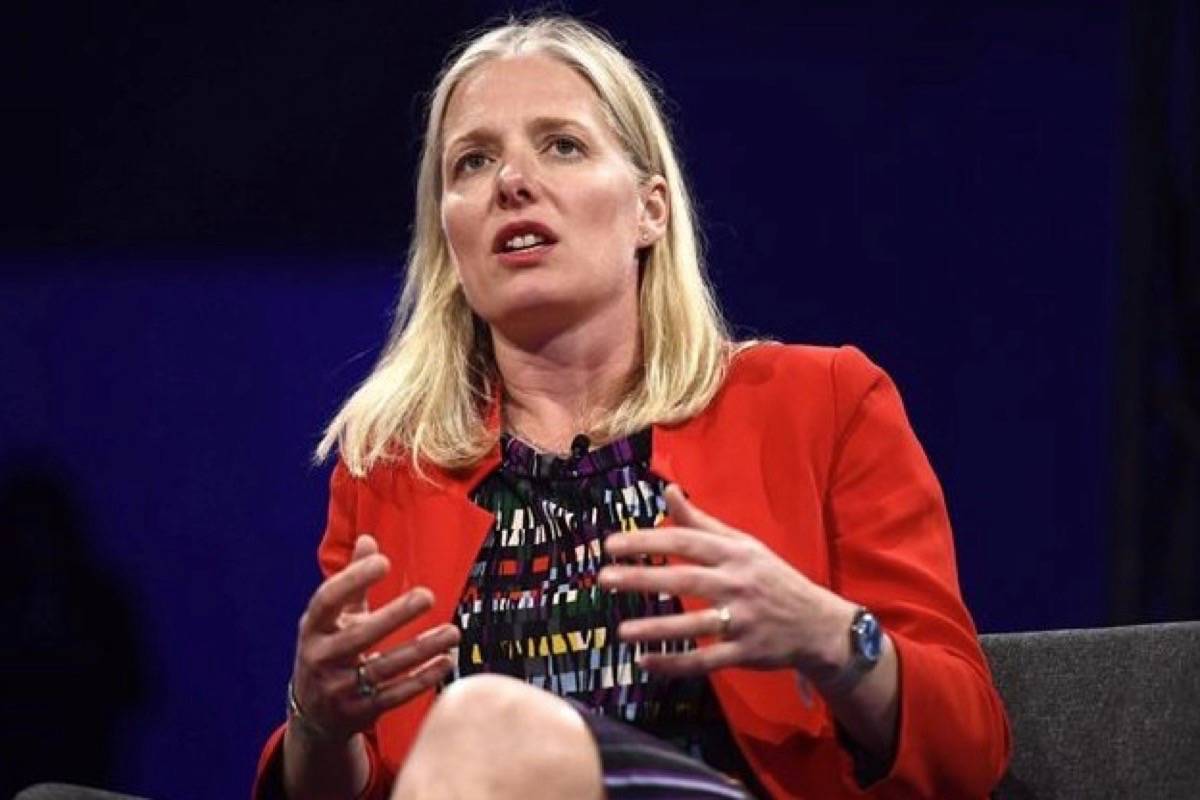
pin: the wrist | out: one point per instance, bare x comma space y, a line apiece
316, 768
829, 651
857, 648
309, 730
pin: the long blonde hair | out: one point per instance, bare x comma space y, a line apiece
429, 395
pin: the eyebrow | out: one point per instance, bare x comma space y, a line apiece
535, 125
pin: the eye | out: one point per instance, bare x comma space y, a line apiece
470, 162
566, 147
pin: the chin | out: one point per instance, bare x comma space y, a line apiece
532, 316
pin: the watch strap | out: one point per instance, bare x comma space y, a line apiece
859, 664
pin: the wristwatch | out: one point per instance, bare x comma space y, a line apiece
866, 648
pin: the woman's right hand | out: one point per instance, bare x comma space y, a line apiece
338, 633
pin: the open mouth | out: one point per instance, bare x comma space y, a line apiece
519, 243
523, 236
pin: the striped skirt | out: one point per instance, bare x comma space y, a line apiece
637, 766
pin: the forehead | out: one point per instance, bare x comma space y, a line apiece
513, 89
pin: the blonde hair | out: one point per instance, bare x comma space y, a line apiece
429, 395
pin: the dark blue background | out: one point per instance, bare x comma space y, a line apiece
207, 263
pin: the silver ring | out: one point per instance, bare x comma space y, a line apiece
365, 687
725, 620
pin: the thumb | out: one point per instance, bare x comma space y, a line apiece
686, 513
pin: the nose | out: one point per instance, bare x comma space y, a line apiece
514, 189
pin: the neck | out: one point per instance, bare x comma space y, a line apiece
559, 387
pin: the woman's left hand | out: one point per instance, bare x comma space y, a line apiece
777, 617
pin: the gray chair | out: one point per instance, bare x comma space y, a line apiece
1108, 712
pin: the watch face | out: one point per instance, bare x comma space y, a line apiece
869, 636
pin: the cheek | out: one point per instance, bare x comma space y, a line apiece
461, 227
611, 208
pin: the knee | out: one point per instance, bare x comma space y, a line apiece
62, 791
501, 716
483, 693
500, 702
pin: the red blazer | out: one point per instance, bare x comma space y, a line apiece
809, 450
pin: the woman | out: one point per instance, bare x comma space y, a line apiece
559, 382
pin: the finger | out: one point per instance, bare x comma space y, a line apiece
695, 545
700, 661
364, 546
424, 677
670, 627
404, 658
683, 579
685, 513
351, 641
332, 596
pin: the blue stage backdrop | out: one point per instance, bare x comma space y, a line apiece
936, 185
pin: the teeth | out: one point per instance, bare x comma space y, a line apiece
522, 242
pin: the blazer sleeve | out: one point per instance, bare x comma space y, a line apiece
892, 551
337, 545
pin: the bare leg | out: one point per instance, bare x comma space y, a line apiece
490, 737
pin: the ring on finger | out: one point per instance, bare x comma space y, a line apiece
724, 621
363, 683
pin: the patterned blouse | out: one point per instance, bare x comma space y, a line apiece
532, 609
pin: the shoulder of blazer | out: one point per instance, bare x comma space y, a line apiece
834, 377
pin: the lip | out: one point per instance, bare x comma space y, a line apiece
520, 228
528, 257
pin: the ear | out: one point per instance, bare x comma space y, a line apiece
655, 211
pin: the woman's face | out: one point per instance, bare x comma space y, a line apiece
543, 212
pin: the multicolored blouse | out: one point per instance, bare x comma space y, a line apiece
532, 609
